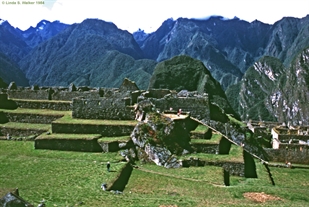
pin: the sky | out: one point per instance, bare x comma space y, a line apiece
147, 15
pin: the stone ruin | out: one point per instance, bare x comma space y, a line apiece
158, 138
120, 104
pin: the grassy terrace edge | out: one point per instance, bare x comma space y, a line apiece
18, 125
46, 112
69, 136
67, 119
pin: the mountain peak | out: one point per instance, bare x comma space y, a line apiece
2, 21
42, 23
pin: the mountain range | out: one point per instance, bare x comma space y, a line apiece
238, 54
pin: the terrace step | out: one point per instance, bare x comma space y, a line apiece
40, 116
18, 130
69, 142
44, 104
114, 144
201, 132
82, 142
208, 148
108, 128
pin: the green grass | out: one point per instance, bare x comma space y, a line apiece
235, 121
61, 178
234, 156
36, 111
18, 125
200, 129
215, 139
67, 178
69, 119
68, 136
111, 139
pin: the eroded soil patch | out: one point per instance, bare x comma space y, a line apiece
260, 197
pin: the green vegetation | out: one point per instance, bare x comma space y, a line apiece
200, 129
68, 119
235, 121
68, 136
37, 111
234, 156
215, 139
61, 178
19, 125
74, 178
112, 139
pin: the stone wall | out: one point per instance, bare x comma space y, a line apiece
14, 132
104, 108
157, 93
58, 106
287, 137
115, 146
206, 148
59, 93
80, 145
68, 96
28, 94
234, 168
197, 106
104, 130
201, 135
29, 118
294, 153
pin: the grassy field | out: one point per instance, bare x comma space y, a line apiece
74, 179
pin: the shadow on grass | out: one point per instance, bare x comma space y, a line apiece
122, 179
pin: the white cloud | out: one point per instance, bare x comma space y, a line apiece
149, 14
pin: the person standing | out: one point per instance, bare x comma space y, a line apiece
108, 165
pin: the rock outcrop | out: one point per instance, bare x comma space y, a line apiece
289, 101
271, 92
249, 96
159, 138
